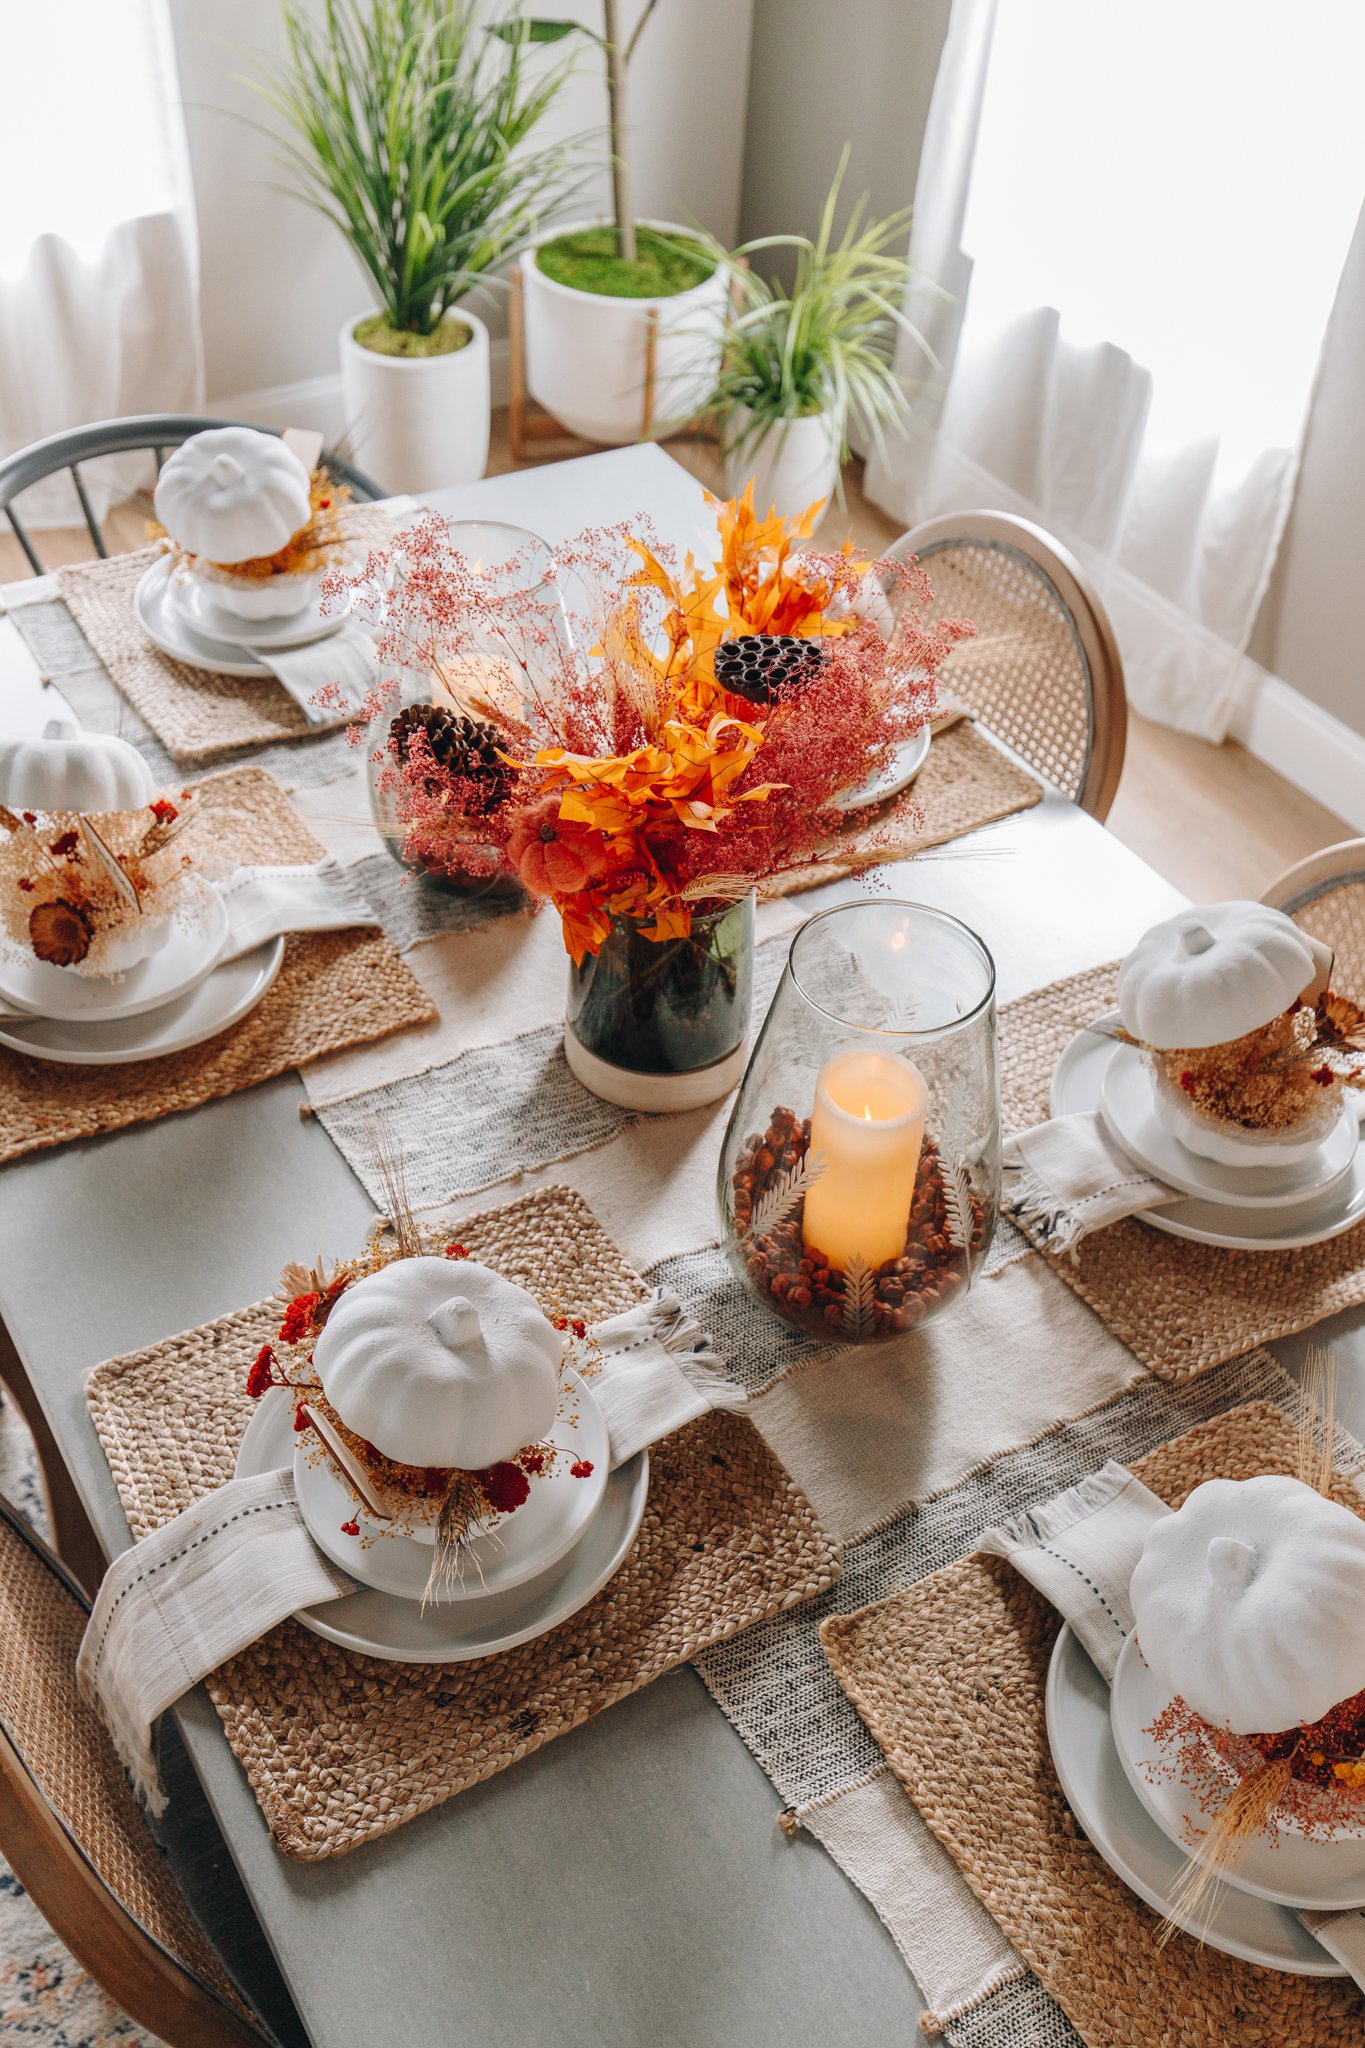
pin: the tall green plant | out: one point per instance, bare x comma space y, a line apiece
408, 120
827, 345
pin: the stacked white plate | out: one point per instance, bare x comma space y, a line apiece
1262, 1208
531, 1571
178, 615
1100, 1750
178, 996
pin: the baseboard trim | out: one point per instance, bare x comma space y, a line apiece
1305, 744
316, 401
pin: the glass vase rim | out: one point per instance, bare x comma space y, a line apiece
922, 1034
550, 573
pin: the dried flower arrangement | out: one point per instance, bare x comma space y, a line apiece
681, 750
1286, 1076
461, 1505
313, 548
71, 882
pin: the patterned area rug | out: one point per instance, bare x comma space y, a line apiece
46, 1998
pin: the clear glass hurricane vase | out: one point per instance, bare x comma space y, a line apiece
859, 1179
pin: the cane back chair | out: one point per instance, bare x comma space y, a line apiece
1042, 671
1325, 894
79, 1843
154, 433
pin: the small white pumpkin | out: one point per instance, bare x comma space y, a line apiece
1207, 976
233, 494
441, 1362
69, 770
1250, 1603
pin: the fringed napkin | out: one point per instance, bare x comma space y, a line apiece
342, 666
1067, 1177
264, 903
221, 1574
1080, 1551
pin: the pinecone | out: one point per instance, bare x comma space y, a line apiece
466, 747
766, 666
60, 932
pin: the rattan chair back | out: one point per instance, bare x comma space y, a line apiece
1325, 894
73, 1832
153, 432
1042, 671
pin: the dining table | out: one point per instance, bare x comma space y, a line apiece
627, 1884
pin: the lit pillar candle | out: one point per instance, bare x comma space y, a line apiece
868, 1123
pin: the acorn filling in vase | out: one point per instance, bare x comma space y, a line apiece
650, 772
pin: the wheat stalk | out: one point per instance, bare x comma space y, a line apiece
1194, 1895
859, 1295
1317, 1416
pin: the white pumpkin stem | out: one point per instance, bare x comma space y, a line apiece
456, 1322
1194, 936
225, 470
1231, 1562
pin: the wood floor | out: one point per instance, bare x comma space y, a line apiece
1212, 819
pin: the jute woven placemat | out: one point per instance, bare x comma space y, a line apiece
950, 1677
340, 1748
335, 989
195, 715
965, 782
1179, 1306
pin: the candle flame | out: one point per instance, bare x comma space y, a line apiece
867, 1114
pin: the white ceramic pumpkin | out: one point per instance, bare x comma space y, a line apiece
441, 1362
233, 494
1207, 976
1249, 1603
66, 769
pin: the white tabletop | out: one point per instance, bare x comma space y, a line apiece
626, 1885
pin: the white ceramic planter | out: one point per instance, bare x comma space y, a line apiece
586, 354
794, 463
416, 423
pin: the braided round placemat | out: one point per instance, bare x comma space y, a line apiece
965, 783
193, 713
340, 1748
335, 989
950, 1678
1178, 1306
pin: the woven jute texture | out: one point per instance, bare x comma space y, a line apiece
1177, 1305
950, 1677
965, 783
194, 714
340, 1748
335, 989
70, 1757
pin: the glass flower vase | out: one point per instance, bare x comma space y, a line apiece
662, 1024
859, 1179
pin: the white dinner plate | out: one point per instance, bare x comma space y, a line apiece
380, 1625
222, 998
193, 944
1077, 1084
1288, 1868
163, 620
1128, 1106
898, 774
1125, 1835
192, 598
523, 1545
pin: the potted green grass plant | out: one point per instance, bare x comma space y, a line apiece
595, 291
408, 126
799, 367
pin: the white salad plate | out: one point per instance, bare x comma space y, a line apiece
1125, 1835
192, 598
1128, 1105
1077, 1088
383, 1625
1288, 1868
222, 998
162, 617
898, 774
522, 1545
190, 952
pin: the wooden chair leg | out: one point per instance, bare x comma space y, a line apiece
516, 367
73, 1534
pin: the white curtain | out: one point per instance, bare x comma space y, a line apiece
1140, 215
99, 313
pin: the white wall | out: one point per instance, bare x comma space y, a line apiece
278, 280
